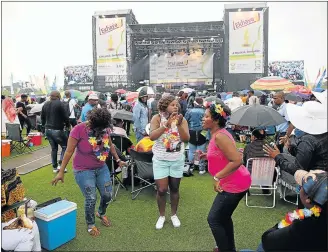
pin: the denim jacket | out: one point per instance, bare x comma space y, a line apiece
194, 118
311, 154
140, 117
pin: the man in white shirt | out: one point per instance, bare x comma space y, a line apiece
252, 99
72, 104
234, 102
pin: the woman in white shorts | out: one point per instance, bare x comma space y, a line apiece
170, 131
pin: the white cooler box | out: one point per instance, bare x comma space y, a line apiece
56, 223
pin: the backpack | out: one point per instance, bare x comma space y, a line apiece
66, 107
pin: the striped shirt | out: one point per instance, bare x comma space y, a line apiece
168, 146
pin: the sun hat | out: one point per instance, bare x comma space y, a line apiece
314, 184
147, 129
93, 97
321, 96
310, 118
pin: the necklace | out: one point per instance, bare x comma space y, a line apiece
299, 214
102, 149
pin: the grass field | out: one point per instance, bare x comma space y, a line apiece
134, 220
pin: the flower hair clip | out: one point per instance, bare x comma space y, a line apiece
219, 110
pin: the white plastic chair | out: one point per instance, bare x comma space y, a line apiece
262, 172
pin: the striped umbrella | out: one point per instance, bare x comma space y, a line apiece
271, 83
298, 88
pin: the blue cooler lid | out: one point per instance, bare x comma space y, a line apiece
55, 210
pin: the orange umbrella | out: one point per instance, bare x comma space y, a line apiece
299, 89
130, 97
271, 83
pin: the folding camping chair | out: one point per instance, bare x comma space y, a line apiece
115, 172
262, 173
18, 143
121, 142
142, 169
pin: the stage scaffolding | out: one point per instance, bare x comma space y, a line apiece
171, 38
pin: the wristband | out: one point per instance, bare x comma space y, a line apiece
216, 179
118, 160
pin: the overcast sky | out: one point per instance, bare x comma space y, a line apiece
41, 38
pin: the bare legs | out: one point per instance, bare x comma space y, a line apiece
162, 189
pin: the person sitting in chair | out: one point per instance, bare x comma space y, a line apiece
302, 229
145, 144
255, 148
20, 234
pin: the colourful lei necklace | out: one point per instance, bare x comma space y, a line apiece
101, 151
299, 214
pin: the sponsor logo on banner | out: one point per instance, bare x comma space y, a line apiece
181, 68
111, 46
246, 42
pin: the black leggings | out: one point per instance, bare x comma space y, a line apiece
220, 222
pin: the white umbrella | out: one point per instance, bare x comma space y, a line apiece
187, 90
150, 90
36, 108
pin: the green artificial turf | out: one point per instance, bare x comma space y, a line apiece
134, 220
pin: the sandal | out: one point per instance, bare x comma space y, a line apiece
104, 220
94, 231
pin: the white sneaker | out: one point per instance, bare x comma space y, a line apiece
54, 170
202, 172
160, 222
58, 168
175, 221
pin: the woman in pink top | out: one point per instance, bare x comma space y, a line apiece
231, 178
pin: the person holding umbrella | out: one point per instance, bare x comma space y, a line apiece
140, 115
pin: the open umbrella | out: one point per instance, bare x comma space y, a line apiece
120, 91
187, 90
293, 97
150, 90
132, 96
271, 83
256, 116
211, 99
74, 93
121, 114
259, 93
36, 109
298, 88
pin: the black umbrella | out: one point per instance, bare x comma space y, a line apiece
256, 116
293, 97
214, 98
121, 114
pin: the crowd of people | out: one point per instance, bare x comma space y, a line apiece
168, 126
78, 74
291, 70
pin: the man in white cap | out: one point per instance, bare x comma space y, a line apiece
92, 102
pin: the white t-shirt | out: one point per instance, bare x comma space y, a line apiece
72, 104
253, 100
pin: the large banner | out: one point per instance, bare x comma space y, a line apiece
246, 42
292, 70
82, 74
111, 46
182, 68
